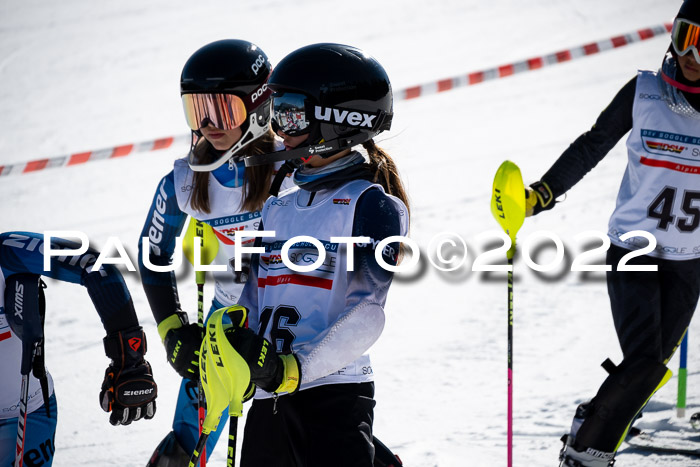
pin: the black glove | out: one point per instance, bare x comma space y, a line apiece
538, 198
268, 370
128, 389
182, 342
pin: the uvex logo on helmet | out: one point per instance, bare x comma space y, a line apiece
344, 117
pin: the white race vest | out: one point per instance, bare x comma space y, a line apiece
226, 218
297, 308
660, 192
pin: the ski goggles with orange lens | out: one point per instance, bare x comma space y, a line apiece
685, 37
224, 111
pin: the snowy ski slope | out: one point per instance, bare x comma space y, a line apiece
79, 75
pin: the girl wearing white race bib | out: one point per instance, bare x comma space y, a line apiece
314, 315
659, 194
227, 106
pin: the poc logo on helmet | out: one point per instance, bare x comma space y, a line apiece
260, 61
258, 93
344, 117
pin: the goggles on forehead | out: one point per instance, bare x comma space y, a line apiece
685, 37
289, 114
224, 111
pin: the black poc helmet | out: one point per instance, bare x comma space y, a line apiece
337, 94
236, 71
690, 10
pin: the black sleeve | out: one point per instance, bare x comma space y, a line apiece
376, 217
592, 146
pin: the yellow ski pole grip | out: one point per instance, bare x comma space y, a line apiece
225, 375
508, 200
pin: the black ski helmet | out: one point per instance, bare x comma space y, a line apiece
337, 82
690, 10
335, 76
231, 66
670, 72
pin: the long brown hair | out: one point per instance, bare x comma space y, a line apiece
387, 175
385, 172
256, 181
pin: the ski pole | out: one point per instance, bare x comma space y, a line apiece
232, 433
199, 450
510, 360
231, 452
508, 208
224, 376
22, 421
207, 251
23, 401
201, 403
27, 323
682, 377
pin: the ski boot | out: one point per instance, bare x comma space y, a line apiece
695, 421
169, 453
383, 457
570, 457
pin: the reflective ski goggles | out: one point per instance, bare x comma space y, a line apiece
289, 114
685, 36
224, 111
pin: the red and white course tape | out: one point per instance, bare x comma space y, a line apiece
412, 92
532, 63
99, 154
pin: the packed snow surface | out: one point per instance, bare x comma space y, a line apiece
79, 75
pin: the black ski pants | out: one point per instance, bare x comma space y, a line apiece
652, 310
317, 427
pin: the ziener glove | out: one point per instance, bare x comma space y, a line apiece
182, 341
538, 198
268, 370
128, 390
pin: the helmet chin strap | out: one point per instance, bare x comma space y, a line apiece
303, 153
221, 160
254, 131
296, 157
286, 169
